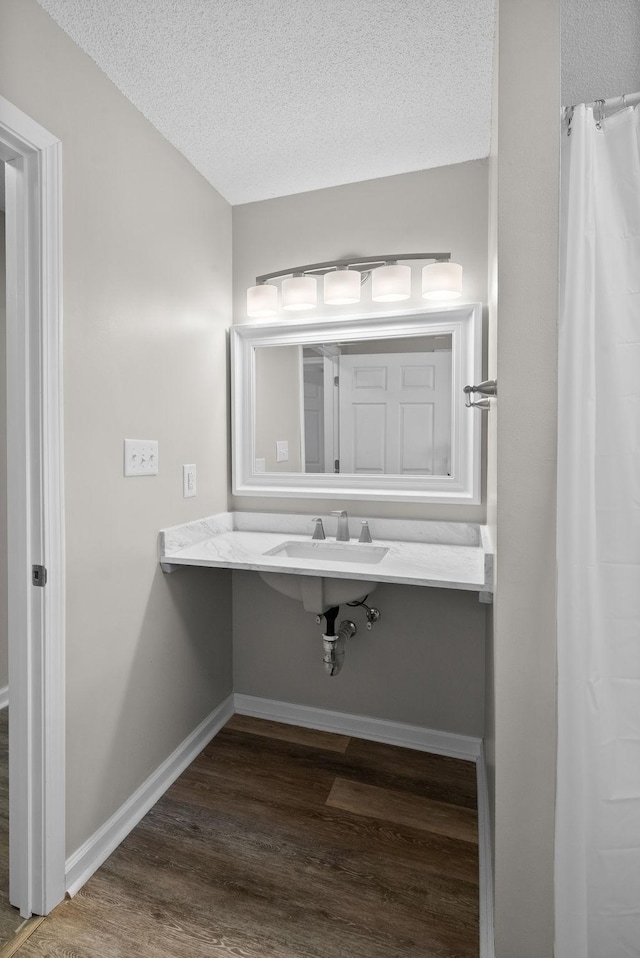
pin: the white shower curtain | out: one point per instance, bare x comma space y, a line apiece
598, 790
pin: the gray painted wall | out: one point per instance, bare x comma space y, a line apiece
492, 443
432, 672
600, 58
524, 633
423, 663
147, 296
277, 406
4, 670
444, 208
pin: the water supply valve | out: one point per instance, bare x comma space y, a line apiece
372, 614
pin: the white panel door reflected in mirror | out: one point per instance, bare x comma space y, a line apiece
371, 410
358, 407
395, 411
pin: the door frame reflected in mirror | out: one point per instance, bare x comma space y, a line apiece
462, 322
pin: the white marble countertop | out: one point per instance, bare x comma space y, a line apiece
444, 555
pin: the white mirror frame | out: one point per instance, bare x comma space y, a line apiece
463, 323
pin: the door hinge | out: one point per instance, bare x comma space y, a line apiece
336, 380
38, 575
336, 465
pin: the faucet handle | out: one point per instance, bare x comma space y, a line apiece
318, 532
365, 532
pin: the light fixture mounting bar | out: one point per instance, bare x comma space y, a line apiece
359, 263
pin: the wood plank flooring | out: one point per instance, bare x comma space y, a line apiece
288, 843
402, 809
10, 919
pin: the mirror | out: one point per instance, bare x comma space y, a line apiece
360, 407
337, 405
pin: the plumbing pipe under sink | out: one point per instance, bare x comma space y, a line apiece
333, 643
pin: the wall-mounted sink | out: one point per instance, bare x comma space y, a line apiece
322, 573
318, 593
330, 551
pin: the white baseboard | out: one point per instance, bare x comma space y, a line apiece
487, 946
361, 726
81, 865
4, 697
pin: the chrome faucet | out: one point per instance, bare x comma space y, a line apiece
342, 533
318, 532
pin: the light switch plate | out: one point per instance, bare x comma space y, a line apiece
141, 457
282, 450
189, 481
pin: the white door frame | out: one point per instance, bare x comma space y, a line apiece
332, 412
309, 361
35, 508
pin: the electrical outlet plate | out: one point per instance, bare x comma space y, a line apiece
140, 457
189, 481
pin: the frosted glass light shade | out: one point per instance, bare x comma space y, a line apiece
299, 292
262, 300
390, 284
342, 287
442, 281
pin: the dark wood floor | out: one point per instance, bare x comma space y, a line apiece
10, 919
288, 843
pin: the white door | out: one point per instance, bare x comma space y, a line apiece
395, 414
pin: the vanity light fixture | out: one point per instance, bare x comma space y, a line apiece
262, 300
441, 281
391, 283
343, 279
342, 286
299, 292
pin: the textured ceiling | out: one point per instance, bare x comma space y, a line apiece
600, 49
267, 97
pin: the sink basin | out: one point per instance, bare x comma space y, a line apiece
316, 592
330, 551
